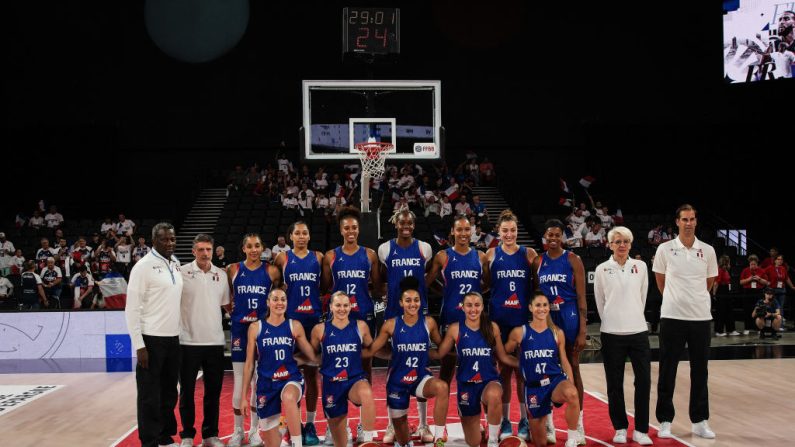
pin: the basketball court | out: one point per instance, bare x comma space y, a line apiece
751, 402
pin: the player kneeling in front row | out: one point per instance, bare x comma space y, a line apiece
340, 342
546, 372
411, 335
280, 384
477, 340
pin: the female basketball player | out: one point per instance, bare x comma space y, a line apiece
340, 342
250, 282
300, 269
350, 268
411, 334
464, 270
509, 265
561, 276
477, 341
401, 257
279, 382
546, 372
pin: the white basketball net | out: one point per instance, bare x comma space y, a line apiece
373, 156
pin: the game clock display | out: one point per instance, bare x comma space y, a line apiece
371, 30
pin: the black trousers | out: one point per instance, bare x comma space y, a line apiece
674, 335
157, 391
211, 360
615, 350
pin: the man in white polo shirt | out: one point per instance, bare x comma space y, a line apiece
205, 289
620, 288
685, 269
154, 294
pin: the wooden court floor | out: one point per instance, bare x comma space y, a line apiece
752, 403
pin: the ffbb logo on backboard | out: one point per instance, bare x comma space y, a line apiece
424, 148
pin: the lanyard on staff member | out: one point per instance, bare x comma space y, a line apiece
168, 265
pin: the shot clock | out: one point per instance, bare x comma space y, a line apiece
371, 30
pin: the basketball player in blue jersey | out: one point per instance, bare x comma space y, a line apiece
279, 382
351, 268
478, 343
464, 270
401, 257
340, 342
546, 372
510, 267
301, 272
250, 282
560, 275
411, 334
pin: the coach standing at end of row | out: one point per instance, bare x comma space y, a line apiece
154, 295
685, 269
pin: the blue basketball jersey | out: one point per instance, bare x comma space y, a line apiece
400, 263
476, 362
342, 352
410, 346
351, 274
540, 358
462, 274
251, 289
556, 279
275, 345
510, 287
302, 278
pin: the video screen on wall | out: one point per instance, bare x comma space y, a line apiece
758, 40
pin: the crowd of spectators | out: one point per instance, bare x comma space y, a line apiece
64, 271
428, 190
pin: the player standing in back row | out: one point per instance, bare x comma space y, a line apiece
561, 277
464, 270
401, 257
301, 273
510, 267
250, 282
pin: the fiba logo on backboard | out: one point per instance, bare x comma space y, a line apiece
424, 148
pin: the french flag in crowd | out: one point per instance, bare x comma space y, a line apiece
492, 240
451, 192
114, 289
586, 181
441, 238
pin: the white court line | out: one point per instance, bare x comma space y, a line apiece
135, 427
124, 436
596, 396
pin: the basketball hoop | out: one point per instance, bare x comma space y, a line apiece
373, 156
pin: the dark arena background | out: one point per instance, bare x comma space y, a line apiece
181, 111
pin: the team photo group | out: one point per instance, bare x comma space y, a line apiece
304, 328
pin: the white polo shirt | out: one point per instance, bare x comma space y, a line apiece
153, 298
686, 270
620, 293
203, 294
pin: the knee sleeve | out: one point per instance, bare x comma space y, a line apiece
237, 388
269, 422
253, 399
394, 414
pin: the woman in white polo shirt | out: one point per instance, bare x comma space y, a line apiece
620, 288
